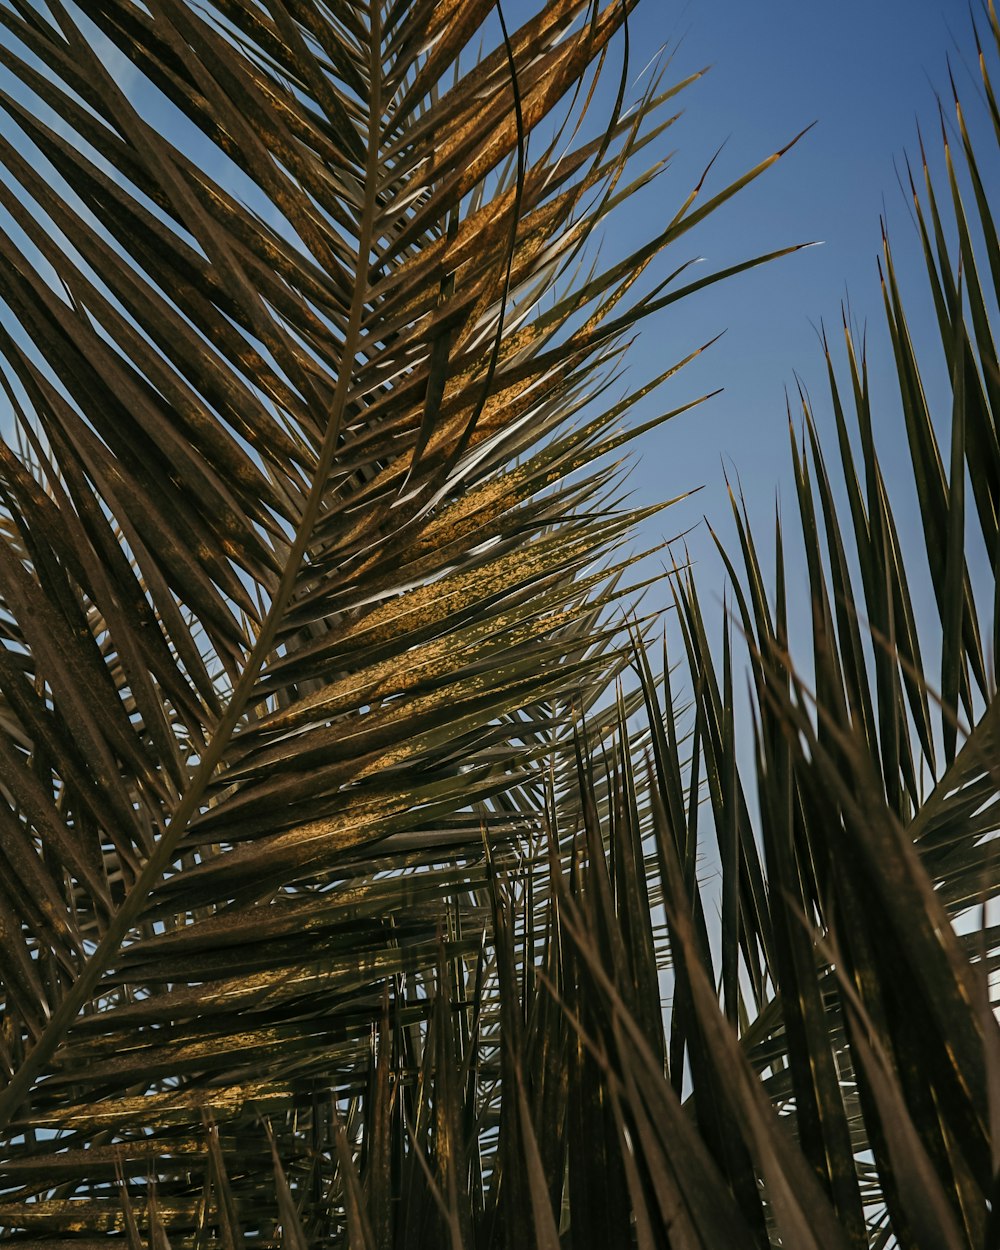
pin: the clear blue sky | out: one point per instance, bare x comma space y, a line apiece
865, 73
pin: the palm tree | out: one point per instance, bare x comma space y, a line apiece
351, 843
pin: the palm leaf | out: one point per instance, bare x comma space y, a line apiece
308, 553
863, 969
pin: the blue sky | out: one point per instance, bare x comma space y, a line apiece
865, 73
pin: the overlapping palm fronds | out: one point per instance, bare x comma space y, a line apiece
344, 871
308, 545
849, 940
827, 1072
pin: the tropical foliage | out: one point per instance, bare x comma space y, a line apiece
355, 849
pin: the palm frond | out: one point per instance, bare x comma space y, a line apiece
856, 958
309, 546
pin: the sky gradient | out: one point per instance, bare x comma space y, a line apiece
865, 74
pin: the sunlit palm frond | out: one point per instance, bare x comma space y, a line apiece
306, 566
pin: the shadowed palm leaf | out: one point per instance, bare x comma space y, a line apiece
308, 545
856, 957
